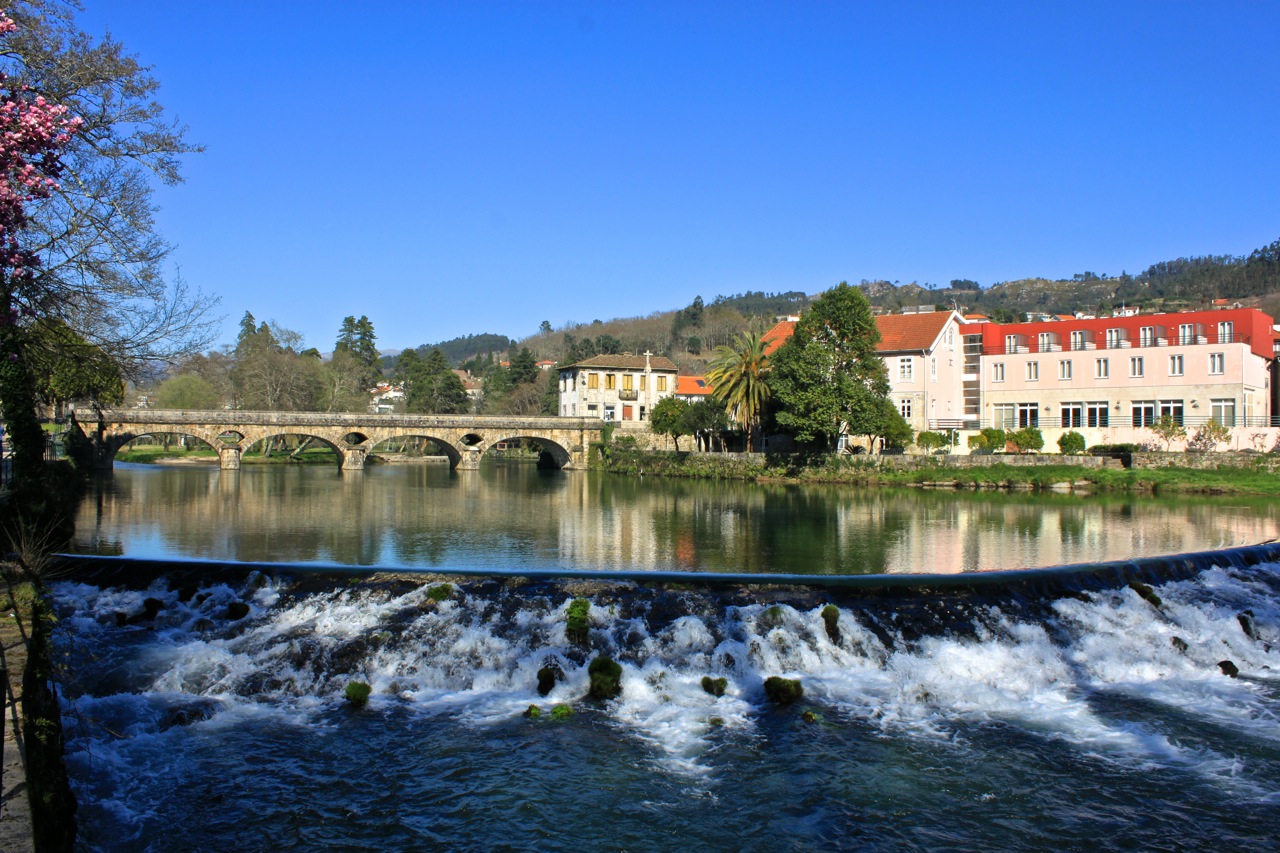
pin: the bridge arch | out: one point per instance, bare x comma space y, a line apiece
123, 440
554, 455
452, 453
338, 448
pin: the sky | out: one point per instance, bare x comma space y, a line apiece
453, 168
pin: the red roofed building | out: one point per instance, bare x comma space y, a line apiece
691, 389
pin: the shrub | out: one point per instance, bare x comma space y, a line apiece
1071, 443
1209, 436
929, 441
1027, 439
990, 440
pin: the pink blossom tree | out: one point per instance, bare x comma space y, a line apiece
32, 133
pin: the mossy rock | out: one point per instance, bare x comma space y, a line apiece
533, 712
577, 622
771, 617
237, 610
606, 678
548, 676
1147, 593
811, 716
561, 712
1179, 644
358, 693
1228, 668
1245, 619
187, 591
783, 691
714, 686
440, 592
831, 618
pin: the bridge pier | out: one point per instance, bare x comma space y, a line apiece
353, 458
229, 458
470, 460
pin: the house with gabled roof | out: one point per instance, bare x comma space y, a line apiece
622, 388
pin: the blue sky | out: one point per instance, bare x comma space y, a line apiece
465, 167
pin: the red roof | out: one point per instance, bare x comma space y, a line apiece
778, 335
905, 332
692, 386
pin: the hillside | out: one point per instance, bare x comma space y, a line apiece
689, 335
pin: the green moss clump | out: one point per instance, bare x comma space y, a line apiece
533, 712
715, 722
783, 691
576, 629
606, 678
440, 592
358, 693
714, 686
1147, 593
831, 618
772, 617
811, 716
561, 712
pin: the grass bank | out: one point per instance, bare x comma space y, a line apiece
867, 471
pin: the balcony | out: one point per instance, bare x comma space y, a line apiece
628, 394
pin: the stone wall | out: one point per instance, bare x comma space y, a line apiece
1269, 462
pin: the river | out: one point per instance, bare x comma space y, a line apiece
1094, 716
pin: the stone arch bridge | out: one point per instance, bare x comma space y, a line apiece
463, 438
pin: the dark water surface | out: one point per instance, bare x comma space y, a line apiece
510, 515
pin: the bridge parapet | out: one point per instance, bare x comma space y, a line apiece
464, 438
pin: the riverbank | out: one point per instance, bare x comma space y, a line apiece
1253, 475
15, 811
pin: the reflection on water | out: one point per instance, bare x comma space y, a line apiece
510, 515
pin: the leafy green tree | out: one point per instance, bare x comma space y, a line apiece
545, 327
667, 418
1071, 443
739, 378
356, 338
1209, 436
346, 383
930, 441
430, 385
704, 420
187, 391
989, 440
270, 371
828, 378
67, 368
524, 368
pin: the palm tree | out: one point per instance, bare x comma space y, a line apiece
738, 376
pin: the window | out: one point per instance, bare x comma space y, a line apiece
1102, 369
933, 369
997, 372
904, 408
642, 411
1097, 414
1044, 342
1114, 337
1136, 367
1010, 343
1006, 416
1224, 412
593, 380
1028, 415
1226, 333
1172, 409
1072, 414
1186, 334
1217, 363
662, 383
1147, 336
610, 381
626, 382
642, 378
906, 369
1064, 369
593, 410
1077, 340
1144, 413
1175, 365
1033, 371
610, 413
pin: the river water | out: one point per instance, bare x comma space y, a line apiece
1089, 717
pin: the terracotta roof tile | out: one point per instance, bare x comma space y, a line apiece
778, 335
692, 386
904, 332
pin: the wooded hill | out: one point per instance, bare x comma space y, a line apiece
689, 335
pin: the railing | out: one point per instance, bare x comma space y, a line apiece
628, 394
1172, 340
1117, 421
